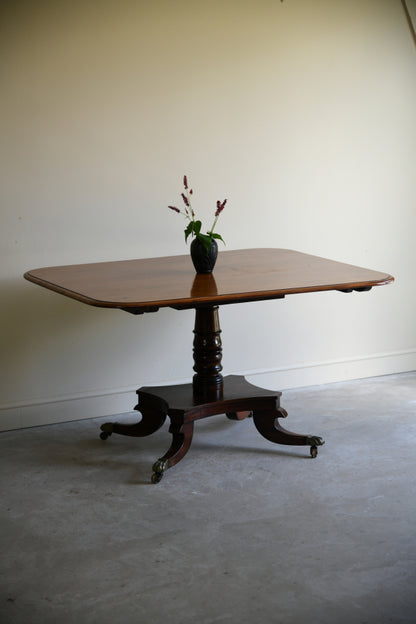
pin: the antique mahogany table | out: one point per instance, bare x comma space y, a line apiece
145, 285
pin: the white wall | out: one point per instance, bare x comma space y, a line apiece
301, 113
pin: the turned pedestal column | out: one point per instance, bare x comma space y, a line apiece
207, 381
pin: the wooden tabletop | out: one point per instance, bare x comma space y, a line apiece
243, 275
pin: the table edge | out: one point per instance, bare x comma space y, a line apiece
192, 302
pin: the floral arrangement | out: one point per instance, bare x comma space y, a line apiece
194, 226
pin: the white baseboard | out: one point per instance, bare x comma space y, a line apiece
315, 373
122, 401
66, 409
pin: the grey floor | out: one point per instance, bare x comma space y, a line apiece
241, 531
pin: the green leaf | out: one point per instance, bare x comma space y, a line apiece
189, 230
218, 237
197, 227
205, 240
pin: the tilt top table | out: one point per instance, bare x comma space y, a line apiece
145, 285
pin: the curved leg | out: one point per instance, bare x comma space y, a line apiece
181, 441
267, 424
152, 420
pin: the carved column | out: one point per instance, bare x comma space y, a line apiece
207, 381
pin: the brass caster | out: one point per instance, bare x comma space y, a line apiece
106, 430
315, 441
157, 477
159, 468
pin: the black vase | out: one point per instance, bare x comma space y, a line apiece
204, 261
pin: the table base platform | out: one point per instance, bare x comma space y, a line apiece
235, 397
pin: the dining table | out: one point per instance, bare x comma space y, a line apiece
146, 285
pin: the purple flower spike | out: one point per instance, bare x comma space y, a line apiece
185, 181
185, 199
220, 207
174, 208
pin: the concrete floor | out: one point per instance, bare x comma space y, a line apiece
240, 531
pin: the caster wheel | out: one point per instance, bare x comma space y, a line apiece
157, 477
314, 452
106, 431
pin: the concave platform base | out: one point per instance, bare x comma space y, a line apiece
239, 399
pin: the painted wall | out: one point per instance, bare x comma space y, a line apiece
300, 113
